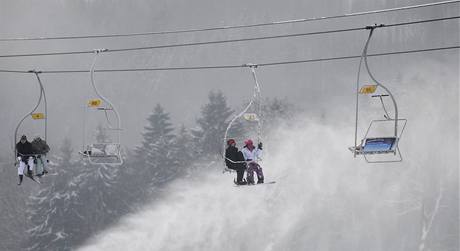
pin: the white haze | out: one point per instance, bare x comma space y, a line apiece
323, 199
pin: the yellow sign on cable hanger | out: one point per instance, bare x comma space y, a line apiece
94, 102
38, 115
368, 89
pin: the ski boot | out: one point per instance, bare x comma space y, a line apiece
241, 182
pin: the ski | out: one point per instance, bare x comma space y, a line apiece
256, 184
32, 178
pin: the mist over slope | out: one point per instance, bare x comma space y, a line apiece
323, 199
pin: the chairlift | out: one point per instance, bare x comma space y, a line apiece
39, 117
251, 113
103, 153
380, 143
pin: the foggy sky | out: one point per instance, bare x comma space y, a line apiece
312, 158
315, 87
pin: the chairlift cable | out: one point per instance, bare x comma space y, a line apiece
226, 41
239, 66
282, 22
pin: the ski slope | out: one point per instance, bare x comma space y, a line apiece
323, 199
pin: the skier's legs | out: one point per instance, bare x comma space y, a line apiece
39, 165
250, 172
21, 167
44, 161
31, 166
259, 171
239, 174
260, 174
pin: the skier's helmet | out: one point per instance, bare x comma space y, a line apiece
248, 142
231, 142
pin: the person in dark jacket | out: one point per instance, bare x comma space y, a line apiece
234, 160
24, 151
40, 148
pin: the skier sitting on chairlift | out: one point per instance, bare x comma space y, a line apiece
40, 148
251, 154
234, 160
24, 151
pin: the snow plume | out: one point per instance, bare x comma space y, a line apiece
209, 213
323, 199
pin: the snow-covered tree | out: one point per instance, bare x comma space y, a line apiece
215, 117
51, 214
12, 204
185, 151
156, 154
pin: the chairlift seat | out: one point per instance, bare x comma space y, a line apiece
380, 145
104, 109
105, 150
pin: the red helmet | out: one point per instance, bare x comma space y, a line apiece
231, 141
248, 142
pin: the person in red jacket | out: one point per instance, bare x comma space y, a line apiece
234, 160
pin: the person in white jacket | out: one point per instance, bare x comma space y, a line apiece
252, 155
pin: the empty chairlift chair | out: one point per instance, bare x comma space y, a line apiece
380, 143
107, 151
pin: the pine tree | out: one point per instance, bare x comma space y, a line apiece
215, 117
156, 154
51, 215
12, 204
275, 111
184, 148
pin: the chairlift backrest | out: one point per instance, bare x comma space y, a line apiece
383, 144
251, 117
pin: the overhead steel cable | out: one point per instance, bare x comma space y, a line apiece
183, 44
230, 26
241, 65
230, 40
358, 56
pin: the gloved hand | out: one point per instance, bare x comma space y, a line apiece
259, 145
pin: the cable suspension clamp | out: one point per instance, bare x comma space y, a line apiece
34, 71
250, 65
372, 27
100, 50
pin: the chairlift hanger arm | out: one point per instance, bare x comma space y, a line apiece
93, 83
377, 82
40, 98
256, 96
